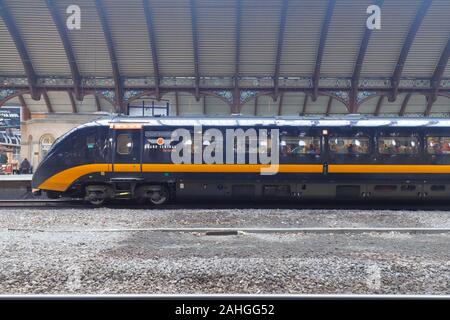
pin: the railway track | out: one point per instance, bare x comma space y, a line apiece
31, 203
334, 205
225, 231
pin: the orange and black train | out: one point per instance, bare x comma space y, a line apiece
174, 158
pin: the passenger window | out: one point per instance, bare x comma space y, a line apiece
398, 145
124, 144
296, 146
438, 145
348, 145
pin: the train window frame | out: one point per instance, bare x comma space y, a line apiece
130, 140
383, 136
427, 146
366, 137
314, 139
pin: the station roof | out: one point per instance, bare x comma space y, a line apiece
256, 57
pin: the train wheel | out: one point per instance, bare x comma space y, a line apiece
97, 201
160, 197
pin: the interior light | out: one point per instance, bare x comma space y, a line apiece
301, 143
283, 143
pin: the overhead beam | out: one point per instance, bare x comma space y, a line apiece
195, 47
72, 101
323, 38
62, 31
404, 104
358, 65
379, 105
237, 59
305, 105
97, 103
118, 87
420, 15
21, 49
330, 103
26, 111
47, 101
280, 104
153, 48
281, 29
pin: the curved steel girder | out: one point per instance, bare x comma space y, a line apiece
237, 57
67, 48
112, 55
73, 104
26, 111
21, 49
440, 68
47, 101
153, 48
193, 4
404, 104
420, 15
359, 63
379, 106
281, 29
322, 42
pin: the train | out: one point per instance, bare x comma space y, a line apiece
168, 159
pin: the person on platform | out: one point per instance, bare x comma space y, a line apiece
25, 166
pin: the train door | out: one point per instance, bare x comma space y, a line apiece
127, 150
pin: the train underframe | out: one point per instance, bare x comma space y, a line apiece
162, 191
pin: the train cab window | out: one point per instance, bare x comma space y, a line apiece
398, 145
348, 145
298, 146
124, 144
438, 145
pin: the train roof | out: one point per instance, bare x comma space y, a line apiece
238, 121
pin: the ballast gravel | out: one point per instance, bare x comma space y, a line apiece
39, 254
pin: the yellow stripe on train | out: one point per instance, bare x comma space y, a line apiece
62, 180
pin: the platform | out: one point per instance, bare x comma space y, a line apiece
16, 186
16, 177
